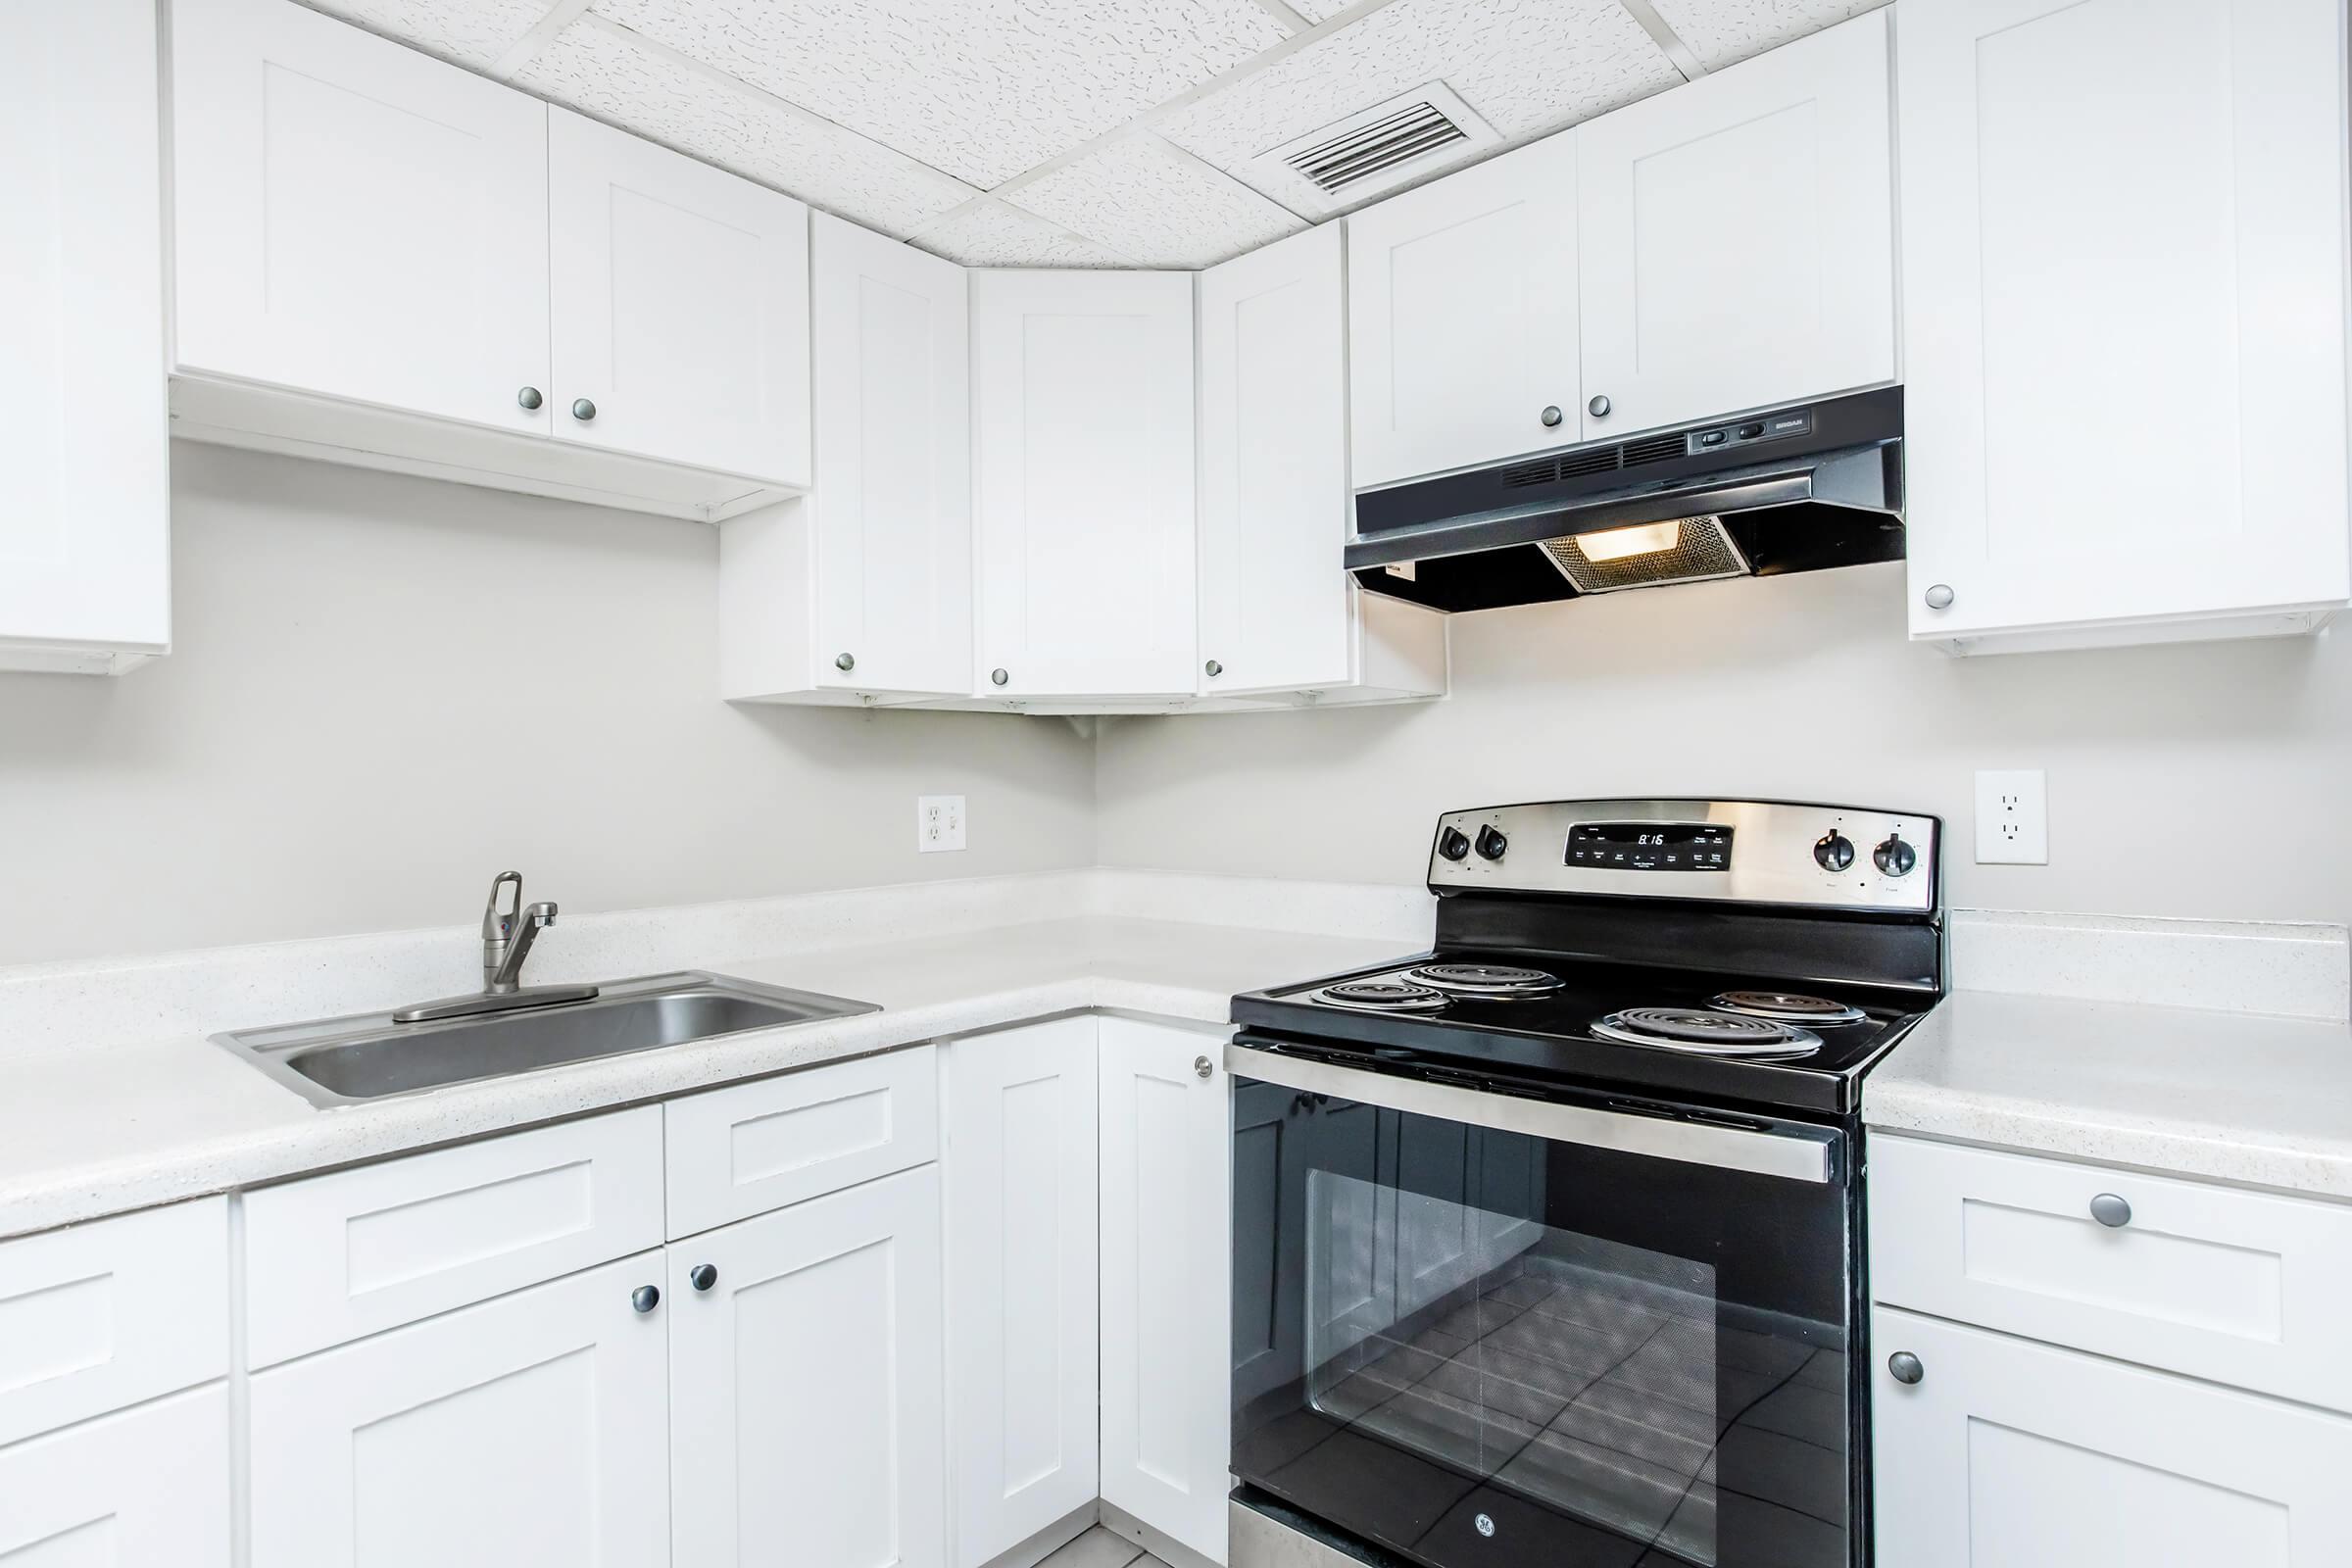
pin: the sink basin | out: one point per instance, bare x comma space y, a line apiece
341, 1062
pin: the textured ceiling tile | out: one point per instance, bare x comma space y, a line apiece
1723, 32
981, 88
468, 32
1528, 66
990, 233
1320, 10
604, 71
1151, 203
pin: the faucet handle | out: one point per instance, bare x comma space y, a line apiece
497, 925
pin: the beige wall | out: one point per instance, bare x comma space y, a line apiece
2202, 781
384, 690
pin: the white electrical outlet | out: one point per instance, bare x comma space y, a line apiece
2013, 818
938, 823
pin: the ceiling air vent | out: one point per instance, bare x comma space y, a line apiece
1373, 151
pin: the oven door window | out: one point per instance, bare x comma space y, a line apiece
1468, 1345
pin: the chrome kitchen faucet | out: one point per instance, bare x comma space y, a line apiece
507, 938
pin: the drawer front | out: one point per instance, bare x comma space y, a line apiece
104, 1315
339, 1256
739, 1152
2243, 1288
145, 1489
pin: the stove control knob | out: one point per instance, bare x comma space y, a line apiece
1492, 843
1453, 844
1834, 850
1894, 857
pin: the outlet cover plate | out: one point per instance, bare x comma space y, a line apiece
2013, 817
938, 824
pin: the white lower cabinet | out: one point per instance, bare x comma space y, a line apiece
148, 1488
527, 1432
2011, 1454
805, 1409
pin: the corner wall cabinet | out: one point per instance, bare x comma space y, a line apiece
2123, 317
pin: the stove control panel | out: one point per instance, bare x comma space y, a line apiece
1746, 852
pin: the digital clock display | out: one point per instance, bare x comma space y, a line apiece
1650, 845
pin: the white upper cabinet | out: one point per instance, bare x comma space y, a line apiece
1082, 478
1462, 317
1275, 597
85, 482
679, 305
2123, 239
1737, 237
356, 219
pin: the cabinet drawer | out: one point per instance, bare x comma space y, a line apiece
743, 1150
148, 1488
339, 1256
2240, 1286
106, 1314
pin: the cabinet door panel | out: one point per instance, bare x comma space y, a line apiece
1084, 482
528, 1432
2012, 1455
894, 523
804, 1384
1275, 595
146, 1489
1167, 1312
1462, 317
2124, 319
356, 219
681, 306
1737, 237
85, 484
1022, 1281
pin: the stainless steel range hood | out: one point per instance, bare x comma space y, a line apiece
1796, 489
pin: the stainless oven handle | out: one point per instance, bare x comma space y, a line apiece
1791, 1155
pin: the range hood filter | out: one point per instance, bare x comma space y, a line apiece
1703, 551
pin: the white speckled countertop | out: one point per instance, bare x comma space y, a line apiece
102, 1129
2236, 1097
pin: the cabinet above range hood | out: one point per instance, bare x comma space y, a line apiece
1796, 489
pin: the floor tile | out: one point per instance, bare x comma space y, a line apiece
1097, 1549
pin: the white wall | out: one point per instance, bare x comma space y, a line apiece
384, 690
2202, 781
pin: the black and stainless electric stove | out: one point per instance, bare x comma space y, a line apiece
1546, 1238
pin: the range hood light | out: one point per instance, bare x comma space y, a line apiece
1643, 539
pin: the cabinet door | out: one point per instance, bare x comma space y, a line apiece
1275, 594
1461, 317
893, 518
1019, 1172
2013, 1455
356, 219
1166, 1147
680, 308
84, 486
2124, 260
1737, 237
1084, 465
529, 1432
805, 1409
148, 1488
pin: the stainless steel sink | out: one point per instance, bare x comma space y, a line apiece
342, 1061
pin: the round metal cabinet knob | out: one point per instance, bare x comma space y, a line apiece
1214, 668
702, 1276
1599, 407
2111, 1211
1939, 596
1906, 1368
1553, 415
844, 662
1203, 1066
529, 396
997, 676
645, 1298
582, 409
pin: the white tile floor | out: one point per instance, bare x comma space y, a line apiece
1100, 1549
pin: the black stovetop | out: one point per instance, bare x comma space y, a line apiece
1547, 1039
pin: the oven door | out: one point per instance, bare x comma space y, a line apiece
1474, 1327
